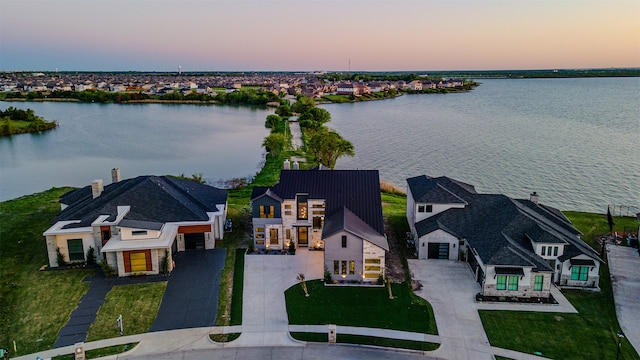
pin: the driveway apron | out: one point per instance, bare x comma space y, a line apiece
191, 297
450, 288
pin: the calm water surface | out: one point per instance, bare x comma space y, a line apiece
219, 142
574, 141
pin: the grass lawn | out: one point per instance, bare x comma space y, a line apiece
35, 304
366, 340
138, 304
359, 306
590, 334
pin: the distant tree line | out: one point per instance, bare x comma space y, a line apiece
18, 121
245, 97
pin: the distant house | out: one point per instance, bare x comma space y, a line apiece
133, 223
347, 89
515, 248
415, 85
339, 211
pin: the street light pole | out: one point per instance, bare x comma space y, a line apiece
620, 336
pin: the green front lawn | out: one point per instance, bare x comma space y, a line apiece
360, 306
138, 304
34, 304
590, 334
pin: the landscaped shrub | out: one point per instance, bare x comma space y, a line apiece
91, 257
60, 257
107, 269
164, 263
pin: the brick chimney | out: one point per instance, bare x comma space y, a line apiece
115, 175
96, 188
534, 197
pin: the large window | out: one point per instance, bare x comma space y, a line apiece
580, 273
502, 283
76, 252
266, 211
555, 251
544, 251
318, 222
352, 267
513, 283
537, 285
344, 267
303, 211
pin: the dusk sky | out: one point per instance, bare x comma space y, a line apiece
305, 35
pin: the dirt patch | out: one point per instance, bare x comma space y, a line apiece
394, 269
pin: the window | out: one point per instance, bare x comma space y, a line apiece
266, 211
76, 252
344, 241
287, 234
537, 285
336, 267
352, 267
555, 251
420, 208
302, 207
502, 283
344, 267
287, 209
139, 232
428, 208
544, 250
513, 283
580, 273
318, 222
318, 209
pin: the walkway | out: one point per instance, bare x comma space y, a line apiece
296, 135
191, 297
624, 266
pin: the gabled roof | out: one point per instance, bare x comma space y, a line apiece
440, 190
357, 190
344, 219
499, 228
152, 199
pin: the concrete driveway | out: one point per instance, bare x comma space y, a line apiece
624, 266
450, 288
191, 297
266, 277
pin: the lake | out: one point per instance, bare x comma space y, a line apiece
220, 142
574, 141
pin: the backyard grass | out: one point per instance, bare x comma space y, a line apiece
366, 340
360, 306
34, 304
137, 303
590, 334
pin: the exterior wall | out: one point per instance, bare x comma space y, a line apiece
260, 243
112, 260
437, 208
438, 236
547, 280
290, 218
60, 241
333, 250
209, 240
524, 284
593, 277
155, 257
180, 240
372, 252
549, 250
265, 201
126, 234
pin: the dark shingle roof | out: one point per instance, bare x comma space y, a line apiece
426, 189
502, 229
155, 199
344, 219
357, 190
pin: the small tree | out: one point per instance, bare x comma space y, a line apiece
60, 257
275, 144
272, 121
164, 264
303, 284
328, 279
91, 257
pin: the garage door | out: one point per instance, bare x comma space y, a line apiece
194, 241
438, 251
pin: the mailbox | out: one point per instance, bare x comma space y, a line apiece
79, 351
332, 334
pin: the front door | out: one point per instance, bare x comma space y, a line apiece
303, 236
273, 236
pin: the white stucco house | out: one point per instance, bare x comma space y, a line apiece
133, 224
514, 247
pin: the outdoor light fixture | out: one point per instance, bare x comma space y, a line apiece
620, 336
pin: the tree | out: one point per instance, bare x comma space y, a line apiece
327, 146
274, 144
272, 121
302, 104
283, 110
316, 114
199, 178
